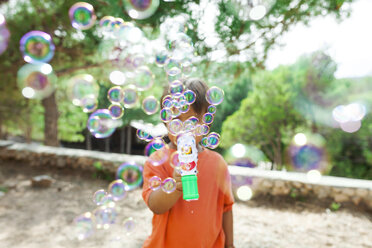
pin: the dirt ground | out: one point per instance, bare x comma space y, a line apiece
38, 218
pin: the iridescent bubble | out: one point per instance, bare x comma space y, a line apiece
115, 94
171, 64
190, 96
175, 112
129, 225
167, 102
84, 225
37, 81
116, 24
181, 101
208, 118
204, 142
99, 196
144, 78
37, 47
142, 135
116, 110
155, 183
82, 86
131, 174
184, 108
174, 71
106, 21
104, 217
188, 125
169, 185
4, 36
212, 109
166, 115
82, 15
175, 126
89, 104
176, 88
174, 160
194, 119
141, 9
213, 140
156, 156
180, 41
161, 57
202, 130
108, 201
214, 95
174, 77
307, 157
101, 124
187, 68
117, 189
150, 105
130, 96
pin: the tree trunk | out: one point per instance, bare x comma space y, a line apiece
88, 139
122, 135
129, 139
50, 121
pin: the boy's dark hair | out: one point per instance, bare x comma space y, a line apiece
199, 87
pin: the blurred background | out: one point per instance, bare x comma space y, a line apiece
296, 76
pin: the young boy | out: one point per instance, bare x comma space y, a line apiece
203, 223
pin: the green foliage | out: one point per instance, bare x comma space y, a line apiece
335, 206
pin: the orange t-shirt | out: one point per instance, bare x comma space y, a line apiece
196, 224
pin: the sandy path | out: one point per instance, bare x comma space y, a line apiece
37, 218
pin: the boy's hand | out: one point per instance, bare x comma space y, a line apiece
178, 179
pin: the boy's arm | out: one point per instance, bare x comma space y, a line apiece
227, 225
160, 202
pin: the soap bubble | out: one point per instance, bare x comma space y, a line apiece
115, 94
84, 225
207, 118
129, 225
214, 95
213, 140
184, 108
142, 135
130, 96
37, 81
89, 104
82, 15
101, 124
180, 42
141, 9
176, 88
37, 47
117, 189
169, 185
156, 156
82, 86
104, 217
150, 105
106, 21
4, 35
144, 79
99, 196
193, 119
175, 126
174, 71
116, 110
188, 125
175, 112
212, 109
187, 68
201, 130
307, 157
174, 160
155, 183
166, 115
161, 57
131, 174
204, 142
170, 66
167, 102
190, 96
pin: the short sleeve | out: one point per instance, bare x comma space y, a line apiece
149, 171
228, 195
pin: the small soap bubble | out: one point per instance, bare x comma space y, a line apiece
174, 160
89, 104
188, 125
202, 130
214, 95
174, 71
166, 115
175, 126
169, 185
184, 108
150, 105
208, 118
131, 174
84, 225
82, 86
161, 57
129, 225
99, 196
144, 79
37, 47
176, 88
190, 96
130, 96
167, 102
117, 189
106, 21
204, 142
104, 217
173, 66
82, 15
141, 9
155, 183
157, 153
101, 124
4, 37
116, 110
142, 135
194, 119
213, 140
187, 68
212, 109
115, 94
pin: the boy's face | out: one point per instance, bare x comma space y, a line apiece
184, 117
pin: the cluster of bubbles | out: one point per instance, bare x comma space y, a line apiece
36, 78
168, 185
307, 154
105, 215
4, 34
349, 116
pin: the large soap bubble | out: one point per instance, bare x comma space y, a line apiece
101, 124
37, 47
82, 15
82, 86
141, 9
